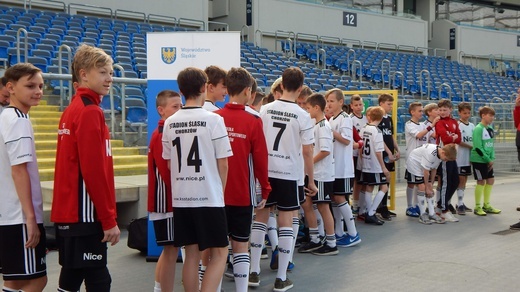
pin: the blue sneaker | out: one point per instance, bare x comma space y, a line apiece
348, 240
416, 208
274, 259
290, 266
411, 212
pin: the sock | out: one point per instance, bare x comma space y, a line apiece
331, 240
431, 209
5, 289
338, 220
296, 228
346, 212
487, 194
157, 287
241, 271
368, 201
460, 196
409, 196
285, 243
415, 200
355, 204
272, 231
479, 190
202, 270
362, 203
377, 199
319, 219
422, 200
183, 254
313, 234
257, 242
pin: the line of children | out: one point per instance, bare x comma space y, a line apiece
358, 122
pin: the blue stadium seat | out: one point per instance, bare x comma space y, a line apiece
105, 103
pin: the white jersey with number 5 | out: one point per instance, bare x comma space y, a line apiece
343, 154
193, 140
423, 158
372, 143
286, 127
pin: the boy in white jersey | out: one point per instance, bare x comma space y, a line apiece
342, 131
463, 153
288, 129
358, 122
196, 144
415, 134
22, 236
421, 164
372, 166
431, 111
216, 87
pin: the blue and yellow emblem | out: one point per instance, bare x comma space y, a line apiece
169, 54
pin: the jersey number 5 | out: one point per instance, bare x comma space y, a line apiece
282, 127
366, 147
193, 156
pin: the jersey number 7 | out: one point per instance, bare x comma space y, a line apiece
282, 127
193, 156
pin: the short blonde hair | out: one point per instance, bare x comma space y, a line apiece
450, 151
338, 93
88, 57
486, 110
429, 107
375, 113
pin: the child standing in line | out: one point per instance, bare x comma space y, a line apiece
216, 87
463, 153
358, 122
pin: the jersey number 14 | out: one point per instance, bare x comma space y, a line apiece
193, 158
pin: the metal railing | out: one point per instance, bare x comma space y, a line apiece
424, 71
90, 8
129, 12
258, 44
26, 45
161, 19
392, 81
242, 38
60, 71
283, 33
191, 23
445, 85
43, 3
321, 53
353, 71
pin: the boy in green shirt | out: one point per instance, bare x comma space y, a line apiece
482, 157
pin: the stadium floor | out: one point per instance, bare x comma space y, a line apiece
401, 255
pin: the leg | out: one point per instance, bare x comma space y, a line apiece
71, 279
215, 269
241, 263
166, 273
190, 276
258, 230
97, 279
285, 242
33, 285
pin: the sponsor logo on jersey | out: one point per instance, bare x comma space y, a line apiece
92, 257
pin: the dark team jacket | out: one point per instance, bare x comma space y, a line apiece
84, 189
159, 178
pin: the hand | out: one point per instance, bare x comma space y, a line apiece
429, 194
311, 190
387, 174
112, 235
397, 155
33, 234
455, 137
261, 204
490, 165
391, 158
435, 121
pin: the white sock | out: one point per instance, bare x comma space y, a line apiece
272, 230
431, 208
202, 271
241, 271
183, 254
331, 240
257, 242
157, 287
296, 228
346, 212
355, 204
409, 196
368, 201
362, 203
338, 221
285, 244
313, 234
422, 200
460, 196
319, 219
377, 200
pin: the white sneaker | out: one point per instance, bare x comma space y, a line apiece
448, 217
424, 219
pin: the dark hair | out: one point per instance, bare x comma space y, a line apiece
464, 105
292, 79
258, 98
445, 103
270, 97
163, 96
317, 99
190, 81
486, 110
215, 75
237, 79
3, 81
14, 73
384, 98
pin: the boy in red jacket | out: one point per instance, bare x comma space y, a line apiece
84, 205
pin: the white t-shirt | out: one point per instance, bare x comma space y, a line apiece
210, 106
423, 158
343, 154
323, 169
411, 129
17, 147
193, 140
430, 135
252, 111
286, 127
463, 153
358, 123
372, 143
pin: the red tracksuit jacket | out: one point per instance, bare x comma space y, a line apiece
159, 179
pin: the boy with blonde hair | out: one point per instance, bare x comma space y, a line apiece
463, 154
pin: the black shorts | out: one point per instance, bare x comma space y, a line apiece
325, 191
373, 179
284, 194
343, 186
80, 245
481, 171
239, 221
301, 192
205, 226
164, 231
18, 262
357, 172
413, 179
464, 170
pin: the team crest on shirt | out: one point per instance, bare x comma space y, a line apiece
169, 54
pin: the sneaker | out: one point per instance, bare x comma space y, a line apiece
515, 226
326, 250
478, 211
267, 242
411, 212
254, 279
290, 266
437, 210
436, 219
361, 217
309, 247
417, 209
274, 259
392, 214
452, 209
229, 271
518, 209
280, 285
425, 219
385, 214
489, 209
348, 240
461, 210
373, 220
467, 209
264, 253
448, 217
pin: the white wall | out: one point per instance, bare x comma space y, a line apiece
237, 15
426, 10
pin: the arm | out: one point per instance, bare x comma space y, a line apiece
22, 184
429, 176
320, 156
478, 144
337, 136
259, 151
309, 168
222, 165
444, 136
465, 145
379, 156
357, 139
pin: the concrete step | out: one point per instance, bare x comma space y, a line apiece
119, 170
46, 128
49, 162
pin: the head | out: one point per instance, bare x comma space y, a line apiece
386, 101
276, 88
431, 110
356, 104
304, 94
448, 152
445, 108
93, 69
192, 83
268, 99
24, 82
4, 93
258, 101
487, 114
239, 83
464, 109
315, 105
217, 89
416, 110
167, 103
335, 101
375, 114
292, 80
254, 88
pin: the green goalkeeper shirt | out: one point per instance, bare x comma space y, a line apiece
483, 150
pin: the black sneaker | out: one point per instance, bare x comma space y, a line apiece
467, 209
385, 214
254, 280
325, 250
373, 220
281, 286
452, 209
309, 247
264, 254
515, 226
